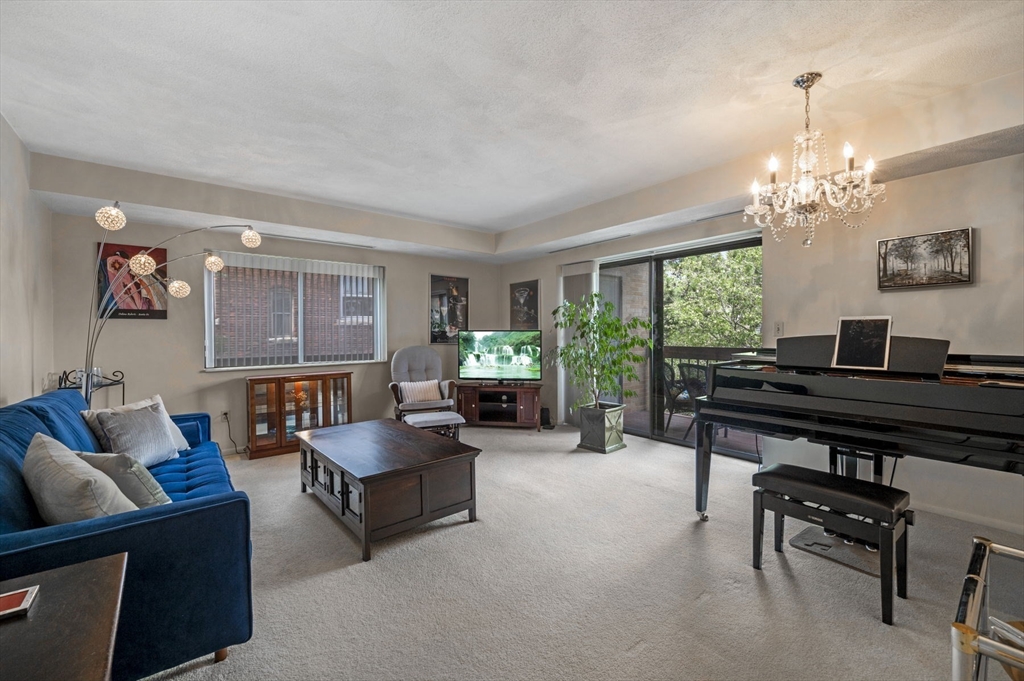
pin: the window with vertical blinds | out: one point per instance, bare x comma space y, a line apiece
266, 310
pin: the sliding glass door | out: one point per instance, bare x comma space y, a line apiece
705, 305
628, 287
710, 303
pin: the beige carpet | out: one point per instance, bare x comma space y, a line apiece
581, 566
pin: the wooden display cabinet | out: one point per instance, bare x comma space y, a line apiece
280, 406
487, 404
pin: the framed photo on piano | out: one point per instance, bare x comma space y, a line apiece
863, 343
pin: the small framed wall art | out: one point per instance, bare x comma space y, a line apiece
133, 297
862, 343
524, 299
933, 259
449, 308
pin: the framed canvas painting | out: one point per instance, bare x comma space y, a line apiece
934, 259
448, 309
524, 299
131, 297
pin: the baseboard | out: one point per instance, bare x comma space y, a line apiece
1005, 525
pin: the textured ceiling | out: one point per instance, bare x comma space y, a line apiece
488, 115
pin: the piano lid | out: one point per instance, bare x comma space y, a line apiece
907, 355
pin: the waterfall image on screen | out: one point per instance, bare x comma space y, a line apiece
499, 355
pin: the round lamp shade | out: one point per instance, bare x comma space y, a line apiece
111, 218
214, 263
142, 264
179, 288
251, 238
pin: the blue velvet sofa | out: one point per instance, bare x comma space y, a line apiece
187, 589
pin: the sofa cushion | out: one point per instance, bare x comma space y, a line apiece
18, 510
141, 434
67, 489
197, 472
59, 410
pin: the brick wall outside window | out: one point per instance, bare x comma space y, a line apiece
337, 321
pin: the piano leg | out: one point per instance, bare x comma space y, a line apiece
702, 471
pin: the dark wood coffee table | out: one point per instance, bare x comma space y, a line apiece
385, 477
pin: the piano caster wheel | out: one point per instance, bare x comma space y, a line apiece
873, 548
703, 517
829, 533
849, 541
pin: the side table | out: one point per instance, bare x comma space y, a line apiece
69, 631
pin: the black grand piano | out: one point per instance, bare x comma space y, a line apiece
963, 409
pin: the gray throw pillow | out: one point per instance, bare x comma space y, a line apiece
90, 416
67, 489
141, 434
130, 476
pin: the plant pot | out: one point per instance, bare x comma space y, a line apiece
601, 427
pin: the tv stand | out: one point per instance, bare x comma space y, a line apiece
503, 405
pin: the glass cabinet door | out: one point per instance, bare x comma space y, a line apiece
265, 413
303, 404
338, 386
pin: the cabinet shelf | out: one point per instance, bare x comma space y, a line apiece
280, 406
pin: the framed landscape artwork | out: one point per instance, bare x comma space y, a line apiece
449, 308
524, 298
935, 259
862, 343
133, 297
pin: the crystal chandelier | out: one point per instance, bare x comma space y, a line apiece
812, 195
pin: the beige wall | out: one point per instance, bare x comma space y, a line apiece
26, 294
166, 356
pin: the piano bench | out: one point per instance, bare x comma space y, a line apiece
830, 501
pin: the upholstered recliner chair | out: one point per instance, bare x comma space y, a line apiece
412, 365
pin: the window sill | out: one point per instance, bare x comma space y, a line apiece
304, 365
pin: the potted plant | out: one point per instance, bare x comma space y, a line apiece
601, 349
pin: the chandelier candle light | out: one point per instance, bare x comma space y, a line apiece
111, 218
811, 196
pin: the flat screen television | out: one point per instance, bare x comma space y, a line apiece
499, 356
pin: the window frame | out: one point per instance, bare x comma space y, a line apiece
377, 318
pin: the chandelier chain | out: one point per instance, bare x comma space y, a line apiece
807, 110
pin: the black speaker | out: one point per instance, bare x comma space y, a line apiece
545, 418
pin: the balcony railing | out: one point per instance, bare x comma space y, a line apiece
681, 379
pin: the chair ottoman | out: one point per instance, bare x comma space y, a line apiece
441, 422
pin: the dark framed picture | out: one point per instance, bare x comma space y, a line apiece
862, 343
449, 308
934, 259
131, 297
524, 299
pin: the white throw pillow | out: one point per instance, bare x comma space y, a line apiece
420, 391
180, 443
67, 489
130, 476
141, 434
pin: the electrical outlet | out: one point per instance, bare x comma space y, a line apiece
780, 329
224, 416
